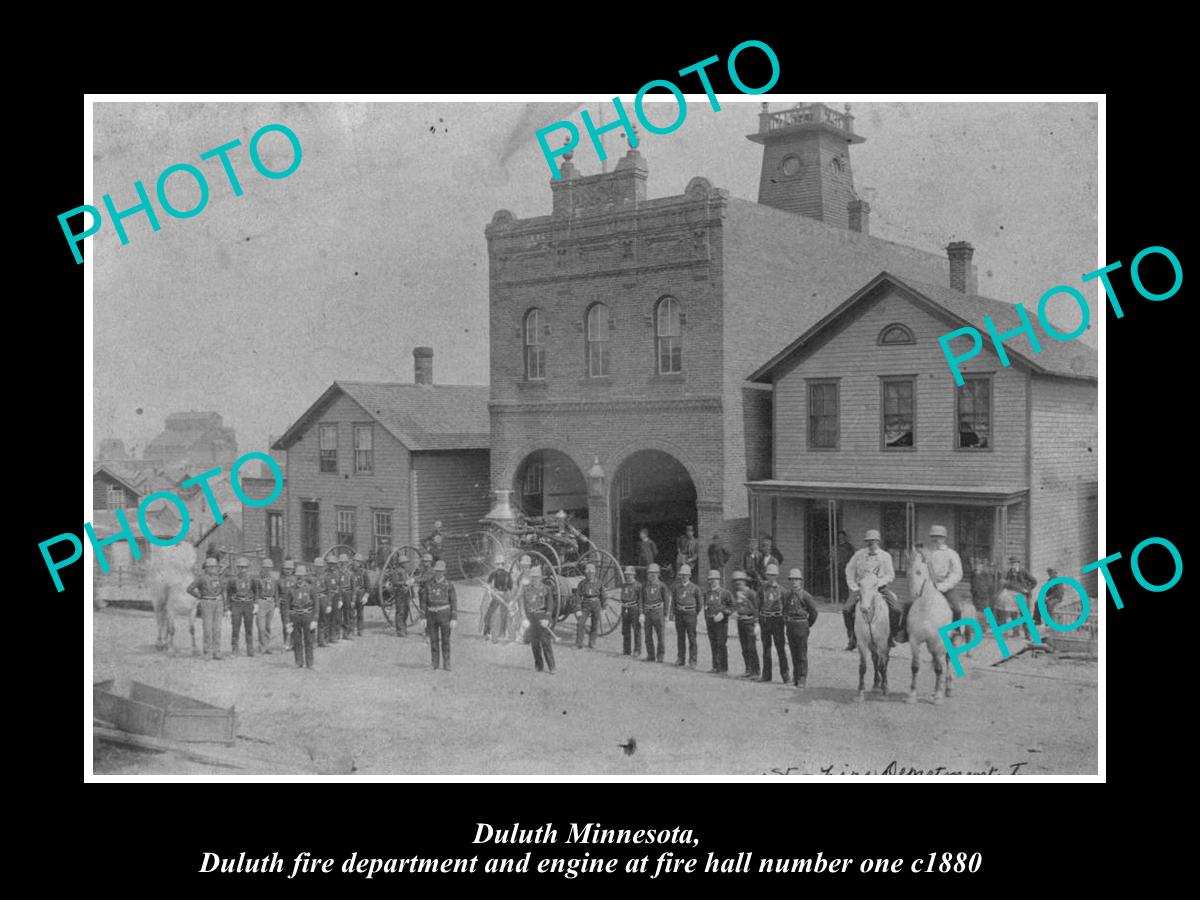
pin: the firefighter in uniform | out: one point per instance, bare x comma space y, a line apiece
441, 615
331, 575
745, 604
345, 580
687, 549
799, 616
403, 587
536, 602
302, 613
686, 601
287, 584
770, 619
499, 586
631, 607
589, 608
209, 588
268, 599
242, 593
362, 588
324, 601
1019, 580
879, 562
655, 595
718, 607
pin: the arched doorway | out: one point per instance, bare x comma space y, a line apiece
547, 481
651, 489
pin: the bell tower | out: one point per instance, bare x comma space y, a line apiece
806, 161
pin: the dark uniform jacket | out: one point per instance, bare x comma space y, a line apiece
589, 590
1019, 580
647, 552
798, 606
631, 596
208, 587
655, 595
754, 565
770, 600
687, 598
718, 601
268, 588
285, 587
242, 588
438, 596
303, 598
745, 604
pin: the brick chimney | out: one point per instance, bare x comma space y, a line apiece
960, 253
423, 365
860, 216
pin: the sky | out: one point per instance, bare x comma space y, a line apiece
375, 244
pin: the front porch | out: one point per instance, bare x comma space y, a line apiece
985, 525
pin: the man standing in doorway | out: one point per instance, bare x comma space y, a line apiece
718, 555
687, 550
647, 552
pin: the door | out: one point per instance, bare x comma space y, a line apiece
274, 541
310, 530
818, 576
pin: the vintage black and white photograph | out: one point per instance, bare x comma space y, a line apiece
422, 446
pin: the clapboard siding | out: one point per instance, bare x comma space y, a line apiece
1064, 476
386, 489
851, 354
452, 487
101, 482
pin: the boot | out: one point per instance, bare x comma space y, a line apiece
802, 683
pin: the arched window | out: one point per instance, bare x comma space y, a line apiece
896, 334
597, 341
535, 349
669, 336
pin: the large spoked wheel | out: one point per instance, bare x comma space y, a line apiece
399, 566
331, 555
551, 557
476, 552
550, 580
608, 573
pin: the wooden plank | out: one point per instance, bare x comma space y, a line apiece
206, 756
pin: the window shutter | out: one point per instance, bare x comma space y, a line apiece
682, 318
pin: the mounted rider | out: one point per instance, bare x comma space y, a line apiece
945, 568
872, 558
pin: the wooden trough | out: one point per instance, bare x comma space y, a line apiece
1084, 639
162, 714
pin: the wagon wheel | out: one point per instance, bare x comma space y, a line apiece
475, 552
547, 552
399, 565
331, 555
608, 573
536, 559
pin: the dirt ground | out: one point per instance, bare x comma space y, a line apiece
374, 707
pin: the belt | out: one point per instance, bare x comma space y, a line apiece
438, 608
769, 615
685, 609
216, 597
797, 618
655, 606
632, 605
243, 599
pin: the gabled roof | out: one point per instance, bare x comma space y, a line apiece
119, 479
1067, 359
420, 416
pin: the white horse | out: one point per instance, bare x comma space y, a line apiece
171, 571
929, 613
872, 627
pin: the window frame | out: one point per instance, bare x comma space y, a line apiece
357, 429
976, 377
836, 384
534, 314
274, 529
120, 492
909, 337
352, 512
884, 381
598, 311
675, 348
985, 515
322, 429
376, 533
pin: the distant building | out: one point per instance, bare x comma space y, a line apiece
870, 431
195, 440
113, 490
372, 461
263, 530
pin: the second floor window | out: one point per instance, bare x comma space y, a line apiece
364, 450
328, 440
116, 497
669, 337
974, 403
899, 407
823, 415
535, 350
597, 341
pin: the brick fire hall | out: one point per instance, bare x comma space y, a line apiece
624, 330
